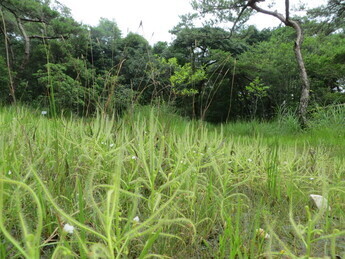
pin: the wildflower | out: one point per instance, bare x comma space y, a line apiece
111, 145
262, 233
44, 112
9, 172
320, 201
68, 228
249, 160
136, 219
134, 157
311, 178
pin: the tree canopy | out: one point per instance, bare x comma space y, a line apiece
48, 59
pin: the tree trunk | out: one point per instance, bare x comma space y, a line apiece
304, 100
12, 87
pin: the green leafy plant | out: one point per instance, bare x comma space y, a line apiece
257, 90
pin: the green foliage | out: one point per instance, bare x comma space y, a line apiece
326, 63
223, 10
207, 72
105, 41
273, 62
4, 81
68, 92
136, 66
257, 88
330, 17
184, 78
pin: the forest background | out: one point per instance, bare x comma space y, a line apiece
207, 72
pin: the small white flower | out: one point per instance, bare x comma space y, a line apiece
249, 160
9, 172
44, 112
136, 219
103, 143
111, 145
229, 162
68, 228
320, 202
202, 154
134, 157
311, 178
262, 233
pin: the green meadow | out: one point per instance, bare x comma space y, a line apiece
151, 184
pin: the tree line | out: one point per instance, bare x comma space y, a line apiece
47, 59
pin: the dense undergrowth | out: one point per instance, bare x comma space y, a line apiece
152, 184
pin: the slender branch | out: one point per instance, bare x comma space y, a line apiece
12, 87
238, 18
223, 7
27, 43
47, 37
287, 10
281, 17
32, 20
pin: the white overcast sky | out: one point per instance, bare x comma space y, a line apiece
157, 16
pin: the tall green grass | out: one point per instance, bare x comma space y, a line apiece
153, 184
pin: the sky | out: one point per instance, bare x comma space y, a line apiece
157, 16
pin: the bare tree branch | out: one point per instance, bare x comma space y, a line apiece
32, 20
48, 37
287, 10
252, 4
238, 18
27, 43
12, 86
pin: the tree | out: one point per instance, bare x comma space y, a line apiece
239, 10
105, 42
273, 62
135, 66
211, 49
257, 90
26, 22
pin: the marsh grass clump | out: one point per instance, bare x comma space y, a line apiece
152, 184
